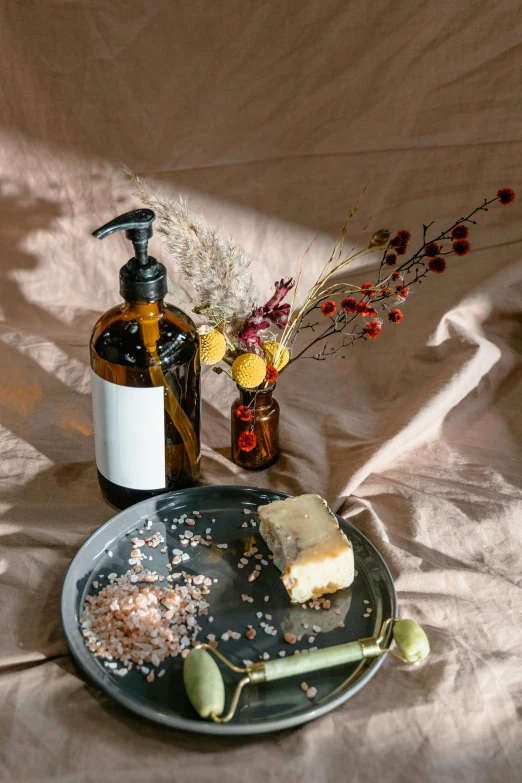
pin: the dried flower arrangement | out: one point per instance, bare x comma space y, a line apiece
258, 342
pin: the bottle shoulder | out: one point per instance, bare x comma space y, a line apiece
119, 336
173, 312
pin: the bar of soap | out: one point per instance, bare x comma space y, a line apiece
309, 548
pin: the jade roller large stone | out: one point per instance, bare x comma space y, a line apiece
204, 683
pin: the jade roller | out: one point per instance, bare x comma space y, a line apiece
206, 689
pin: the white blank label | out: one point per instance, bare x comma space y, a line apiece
129, 434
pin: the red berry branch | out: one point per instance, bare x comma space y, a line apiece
347, 321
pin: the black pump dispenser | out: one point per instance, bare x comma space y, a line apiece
142, 279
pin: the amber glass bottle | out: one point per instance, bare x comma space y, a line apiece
261, 412
145, 382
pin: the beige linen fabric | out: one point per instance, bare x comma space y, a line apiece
272, 117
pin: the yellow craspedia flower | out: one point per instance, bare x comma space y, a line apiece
271, 347
249, 370
212, 345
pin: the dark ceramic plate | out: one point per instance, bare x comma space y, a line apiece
268, 707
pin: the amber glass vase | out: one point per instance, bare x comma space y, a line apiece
255, 428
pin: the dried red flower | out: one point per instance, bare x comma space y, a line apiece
461, 247
437, 264
431, 249
271, 373
386, 291
368, 289
395, 315
390, 259
506, 195
243, 412
373, 329
349, 305
401, 291
368, 312
459, 232
329, 307
395, 275
400, 240
247, 441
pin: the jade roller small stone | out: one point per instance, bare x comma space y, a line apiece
206, 689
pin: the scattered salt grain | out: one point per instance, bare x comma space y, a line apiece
161, 673
311, 639
224, 637
266, 656
316, 628
267, 598
282, 653
95, 585
304, 686
311, 693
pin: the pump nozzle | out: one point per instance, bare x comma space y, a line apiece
142, 279
138, 228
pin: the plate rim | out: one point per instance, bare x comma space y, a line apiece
86, 662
